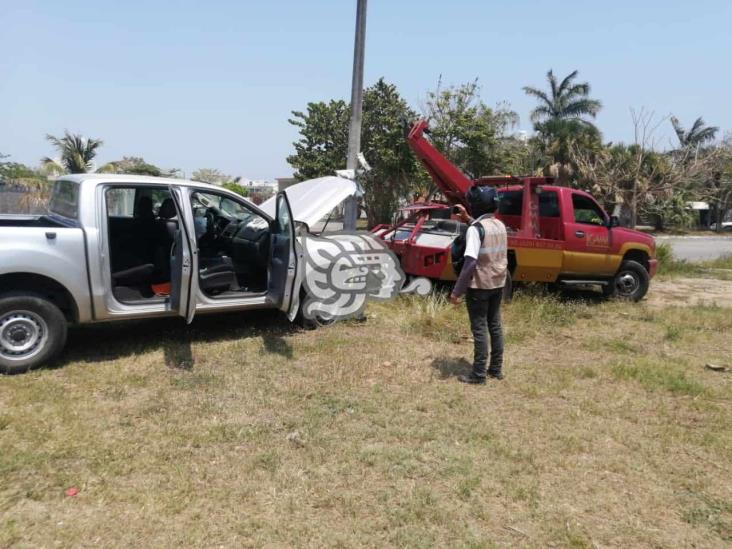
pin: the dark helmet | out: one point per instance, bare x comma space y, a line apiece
481, 200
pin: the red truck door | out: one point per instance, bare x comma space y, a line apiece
587, 236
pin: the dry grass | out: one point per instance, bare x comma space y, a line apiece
241, 431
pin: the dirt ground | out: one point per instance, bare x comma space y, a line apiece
689, 292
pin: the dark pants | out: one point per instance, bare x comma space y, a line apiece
484, 309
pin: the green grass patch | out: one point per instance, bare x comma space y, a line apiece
670, 265
615, 345
549, 310
724, 262
673, 332
655, 375
701, 318
435, 318
711, 513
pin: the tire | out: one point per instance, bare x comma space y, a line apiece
307, 323
311, 324
32, 332
630, 282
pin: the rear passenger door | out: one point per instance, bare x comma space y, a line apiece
587, 238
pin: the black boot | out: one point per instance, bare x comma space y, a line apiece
472, 379
495, 373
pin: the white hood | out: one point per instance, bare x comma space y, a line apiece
313, 199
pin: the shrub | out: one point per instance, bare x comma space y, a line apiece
236, 188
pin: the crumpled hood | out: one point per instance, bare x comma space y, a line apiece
313, 199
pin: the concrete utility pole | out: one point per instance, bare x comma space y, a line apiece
350, 213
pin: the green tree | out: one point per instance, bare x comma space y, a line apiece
566, 100
560, 119
518, 155
468, 132
704, 165
235, 187
35, 184
713, 183
135, 165
394, 167
11, 172
323, 144
697, 135
76, 153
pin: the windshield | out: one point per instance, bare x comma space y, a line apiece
223, 205
225, 208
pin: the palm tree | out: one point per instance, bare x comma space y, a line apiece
560, 120
76, 153
696, 136
566, 101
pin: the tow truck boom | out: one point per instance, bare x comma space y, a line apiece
450, 180
454, 184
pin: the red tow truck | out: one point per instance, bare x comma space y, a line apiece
555, 234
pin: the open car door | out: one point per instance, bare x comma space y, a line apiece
283, 259
183, 261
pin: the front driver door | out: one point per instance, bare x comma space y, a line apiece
587, 239
183, 264
283, 259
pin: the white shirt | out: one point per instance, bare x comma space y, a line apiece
472, 239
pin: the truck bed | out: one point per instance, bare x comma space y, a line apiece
48, 250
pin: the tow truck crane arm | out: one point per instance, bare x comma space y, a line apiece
454, 184
450, 180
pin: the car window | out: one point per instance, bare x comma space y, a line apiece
548, 204
121, 202
223, 204
225, 208
158, 197
587, 211
65, 199
510, 202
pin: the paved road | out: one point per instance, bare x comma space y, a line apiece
698, 248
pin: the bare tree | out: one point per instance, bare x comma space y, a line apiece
622, 174
645, 125
642, 179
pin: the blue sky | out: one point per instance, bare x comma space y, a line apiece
211, 84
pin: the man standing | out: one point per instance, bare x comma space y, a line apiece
482, 279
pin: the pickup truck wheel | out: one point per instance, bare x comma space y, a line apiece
308, 323
630, 282
312, 324
32, 332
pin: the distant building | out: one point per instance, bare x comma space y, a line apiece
259, 186
284, 182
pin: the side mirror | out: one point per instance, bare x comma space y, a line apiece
614, 222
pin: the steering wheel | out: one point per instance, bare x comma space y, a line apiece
211, 223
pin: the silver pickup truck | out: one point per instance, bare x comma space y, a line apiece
115, 247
